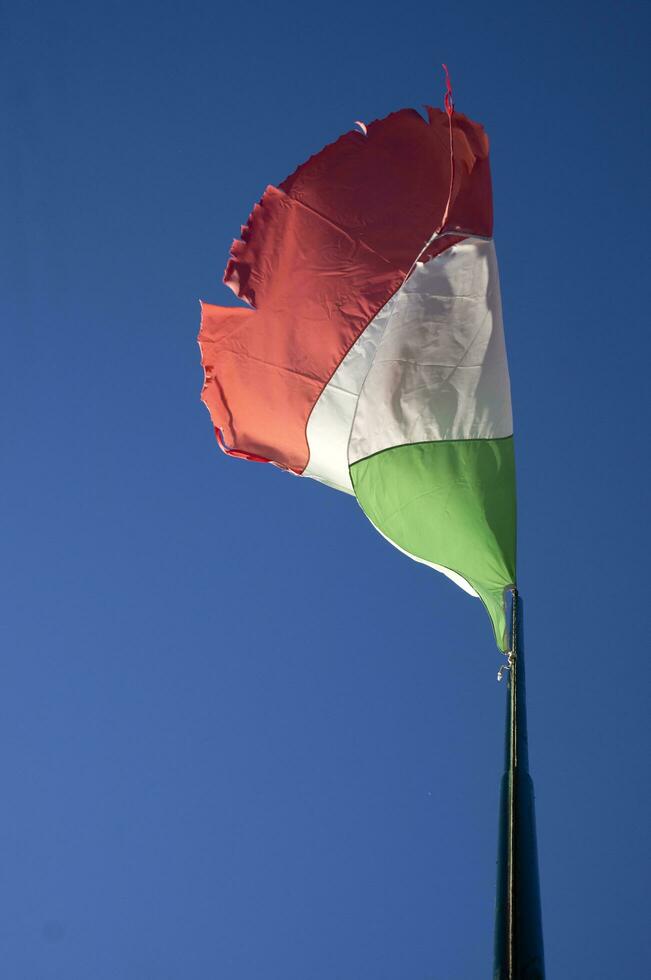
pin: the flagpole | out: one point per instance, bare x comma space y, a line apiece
518, 922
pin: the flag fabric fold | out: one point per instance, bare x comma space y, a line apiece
371, 355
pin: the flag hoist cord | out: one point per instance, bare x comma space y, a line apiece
518, 921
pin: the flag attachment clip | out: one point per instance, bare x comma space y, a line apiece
507, 665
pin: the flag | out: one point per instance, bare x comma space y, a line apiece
371, 353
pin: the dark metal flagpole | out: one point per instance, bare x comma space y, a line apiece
518, 920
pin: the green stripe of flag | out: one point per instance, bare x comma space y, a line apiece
450, 503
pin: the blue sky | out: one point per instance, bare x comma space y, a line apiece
241, 737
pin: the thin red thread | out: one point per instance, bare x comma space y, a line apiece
237, 453
242, 454
449, 108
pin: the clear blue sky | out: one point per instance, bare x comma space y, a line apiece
241, 737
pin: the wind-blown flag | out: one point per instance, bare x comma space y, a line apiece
372, 357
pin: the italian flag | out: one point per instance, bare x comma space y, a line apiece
371, 353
